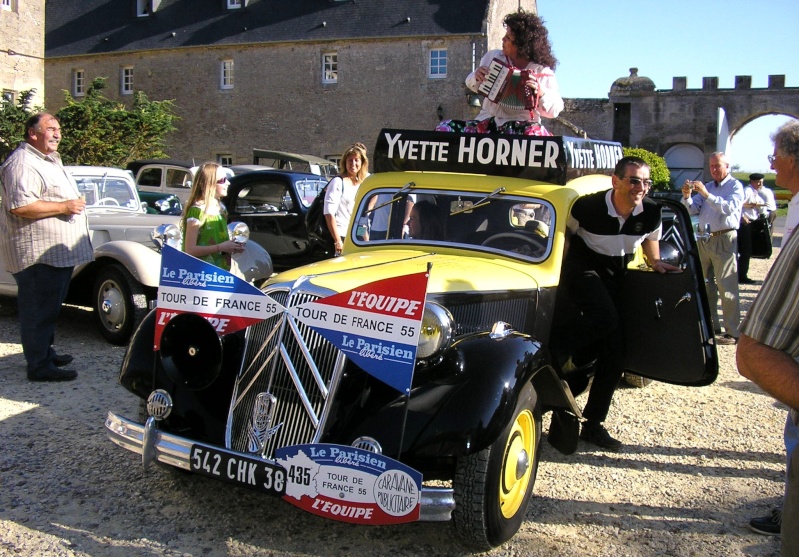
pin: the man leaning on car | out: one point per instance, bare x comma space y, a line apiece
44, 234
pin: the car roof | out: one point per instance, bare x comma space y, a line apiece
136, 165
293, 157
97, 171
293, 174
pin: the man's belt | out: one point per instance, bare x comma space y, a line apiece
720, 232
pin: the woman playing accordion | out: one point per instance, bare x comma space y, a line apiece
527, 95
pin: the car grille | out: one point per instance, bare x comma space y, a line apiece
300, 369
479, 313
294, 364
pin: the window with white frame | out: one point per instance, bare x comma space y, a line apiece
226, 74
126, 80
9, 96
224, 159
78, 83
5, 5
329, 67
438, 63
234, 4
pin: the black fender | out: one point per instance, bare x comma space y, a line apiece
488, 376
136, 372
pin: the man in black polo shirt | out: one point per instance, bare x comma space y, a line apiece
606, 228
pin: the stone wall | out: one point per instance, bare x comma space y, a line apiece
22, 54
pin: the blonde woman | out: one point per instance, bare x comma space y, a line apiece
204, 219
340, 194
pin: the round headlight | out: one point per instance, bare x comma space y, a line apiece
436, 331
168, 234
238, 232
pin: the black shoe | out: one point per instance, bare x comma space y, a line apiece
52, 373
62, 360
747, 280
598, 435
769, 525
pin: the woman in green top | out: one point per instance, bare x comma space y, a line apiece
204, 219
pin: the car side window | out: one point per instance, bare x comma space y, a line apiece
150, 177
176, 178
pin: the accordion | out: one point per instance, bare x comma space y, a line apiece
505, 85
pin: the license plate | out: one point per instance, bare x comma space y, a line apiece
238, 469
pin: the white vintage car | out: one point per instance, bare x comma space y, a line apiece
123, 278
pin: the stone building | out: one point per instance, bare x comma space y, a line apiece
22, 49
308, 76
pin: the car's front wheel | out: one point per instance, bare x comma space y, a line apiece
119, 303
493, 487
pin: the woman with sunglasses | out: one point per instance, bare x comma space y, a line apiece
204, 219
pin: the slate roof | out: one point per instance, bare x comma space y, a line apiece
104, 26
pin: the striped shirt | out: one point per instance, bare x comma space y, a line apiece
603, 240
60, 241
774, 317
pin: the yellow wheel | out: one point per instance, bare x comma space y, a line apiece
516, 468
493, 486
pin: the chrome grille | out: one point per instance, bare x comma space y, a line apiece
293, 363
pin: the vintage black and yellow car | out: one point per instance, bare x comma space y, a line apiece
484, 373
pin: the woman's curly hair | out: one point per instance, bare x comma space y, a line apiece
531, 38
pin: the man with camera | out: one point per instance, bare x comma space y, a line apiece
718, 204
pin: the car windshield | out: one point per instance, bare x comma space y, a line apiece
107, 192
514, 226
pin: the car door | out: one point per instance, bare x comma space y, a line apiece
268, 206
667, 320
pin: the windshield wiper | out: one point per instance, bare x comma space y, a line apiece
485, 201
397, 196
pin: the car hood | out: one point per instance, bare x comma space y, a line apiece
449, 273
106, 226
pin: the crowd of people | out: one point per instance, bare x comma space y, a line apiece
44, 234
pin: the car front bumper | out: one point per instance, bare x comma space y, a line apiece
154, 445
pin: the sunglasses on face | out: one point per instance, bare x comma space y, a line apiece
634, 181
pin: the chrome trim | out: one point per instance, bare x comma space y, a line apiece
437, 502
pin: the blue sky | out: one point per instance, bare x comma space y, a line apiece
596, 42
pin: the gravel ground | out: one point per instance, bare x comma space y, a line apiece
697, 464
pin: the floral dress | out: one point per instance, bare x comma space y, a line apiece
213, 231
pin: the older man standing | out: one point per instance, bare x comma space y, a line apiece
43, 235
718, 204
768, 352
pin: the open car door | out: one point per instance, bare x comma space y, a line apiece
667, 320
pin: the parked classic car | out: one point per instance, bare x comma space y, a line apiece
123, 278
483, 373
274, 204
296, 162
163, 176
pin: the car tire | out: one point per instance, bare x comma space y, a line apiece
119, 303
636, 380
491, 498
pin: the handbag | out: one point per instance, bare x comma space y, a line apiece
315, 222
761, 238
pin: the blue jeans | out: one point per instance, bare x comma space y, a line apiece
41, 291
790, 506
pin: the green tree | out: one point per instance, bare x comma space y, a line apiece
659, 172
12, 121
102, 132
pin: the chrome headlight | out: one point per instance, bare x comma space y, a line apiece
436, 332
168, 234
238, 232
